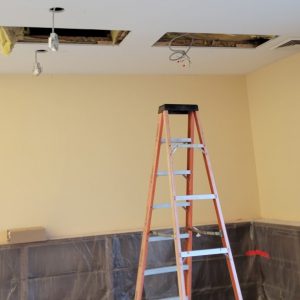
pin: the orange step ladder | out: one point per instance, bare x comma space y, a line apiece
183, 254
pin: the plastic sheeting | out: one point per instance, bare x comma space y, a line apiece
210, 275
105, 267
280, 274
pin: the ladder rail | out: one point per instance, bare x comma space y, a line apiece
218, 210
175, 221
146, 231
188, 246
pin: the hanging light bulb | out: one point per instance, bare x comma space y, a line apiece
37, 67
53, 41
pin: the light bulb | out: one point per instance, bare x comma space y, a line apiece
53, 41
37, 69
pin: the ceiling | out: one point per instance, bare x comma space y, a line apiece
147, 21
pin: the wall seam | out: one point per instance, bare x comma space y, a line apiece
253, 144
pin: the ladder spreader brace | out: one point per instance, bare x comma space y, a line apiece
183, 256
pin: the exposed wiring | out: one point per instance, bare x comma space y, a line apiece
37, 67
53, 12
181, 55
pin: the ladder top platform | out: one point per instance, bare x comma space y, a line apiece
180, 109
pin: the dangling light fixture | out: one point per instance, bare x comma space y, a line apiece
37, 67
53, 40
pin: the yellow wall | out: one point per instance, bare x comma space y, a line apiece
76, 151
274, 98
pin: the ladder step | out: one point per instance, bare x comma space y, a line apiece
196, 197
204, 252
200, 232
166, 238
201, 146
168, 205
183, 143
177, 140
180, 172
163, 270
171, 298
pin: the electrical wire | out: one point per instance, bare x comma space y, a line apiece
181, 55
53, 12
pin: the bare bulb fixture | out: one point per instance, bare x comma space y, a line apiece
53, 41
37, 67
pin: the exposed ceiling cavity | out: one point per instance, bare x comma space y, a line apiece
214, 40
290, 43
148, 22
73, 36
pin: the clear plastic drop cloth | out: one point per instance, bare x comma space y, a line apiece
267, 259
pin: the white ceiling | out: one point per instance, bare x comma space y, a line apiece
148, 21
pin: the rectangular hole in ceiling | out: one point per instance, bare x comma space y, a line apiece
214, 40
73, 36
289, 43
